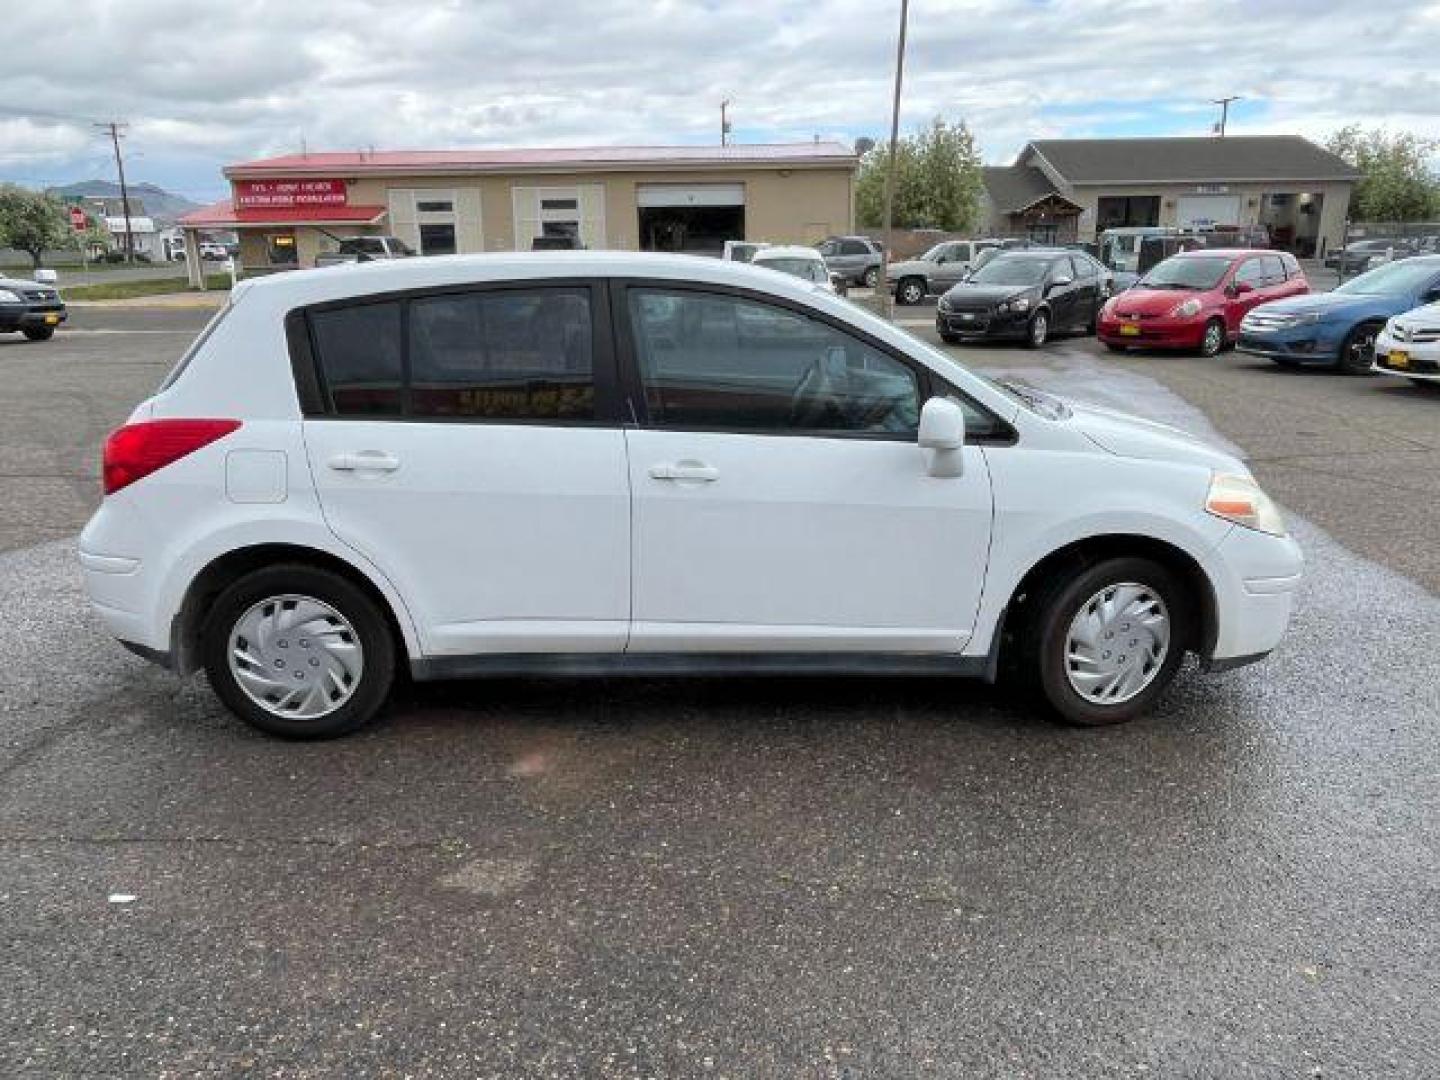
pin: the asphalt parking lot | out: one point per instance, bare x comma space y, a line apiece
739, 878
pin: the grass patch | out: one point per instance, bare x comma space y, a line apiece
127, 290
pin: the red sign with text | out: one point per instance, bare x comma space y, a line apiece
77, 219
269, 194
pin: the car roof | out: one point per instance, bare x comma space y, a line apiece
788, 251
1225, 253
295, 288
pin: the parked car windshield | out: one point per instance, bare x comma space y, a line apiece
1185, 274
809, 269
1392, 278
1012, 271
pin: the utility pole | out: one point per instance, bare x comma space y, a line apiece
724, 123
114, 130
1224, 104
883, 282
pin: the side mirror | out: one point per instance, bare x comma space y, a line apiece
1240, 288
45, 277
942, 431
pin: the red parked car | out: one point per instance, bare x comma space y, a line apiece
1196, 299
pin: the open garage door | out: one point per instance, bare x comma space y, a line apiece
1207, 211
696, 218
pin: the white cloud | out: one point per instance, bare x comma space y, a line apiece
203, 84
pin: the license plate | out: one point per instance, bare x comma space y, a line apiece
52, 320
968, 316
1126, 330
1398, 359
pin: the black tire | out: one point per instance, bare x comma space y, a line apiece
1116, 348
911, 290
949, 338
1212, 342
1358, 351
870, 277
1055, 607
39, 333
352, 603
1038, 331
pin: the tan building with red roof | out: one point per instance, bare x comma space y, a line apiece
287, 210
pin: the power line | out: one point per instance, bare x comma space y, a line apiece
114, 128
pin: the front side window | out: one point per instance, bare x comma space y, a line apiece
1274, 270
358, 349
1251, 272
503, 355
714, 361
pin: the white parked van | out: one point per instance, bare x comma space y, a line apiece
598, 462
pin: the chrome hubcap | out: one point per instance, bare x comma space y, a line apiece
1117, 643
295, 656
1212, 339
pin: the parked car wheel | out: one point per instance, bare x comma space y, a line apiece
39, 333
1358, 353
910, 291
1039, 331
870, 277
1213, 339
949, 338
1106, 643
1116, 348
298, 652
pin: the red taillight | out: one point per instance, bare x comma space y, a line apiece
137, 450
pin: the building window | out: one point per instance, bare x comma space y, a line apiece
280, 249
434, 206
559, 204
1127, 211
437, 238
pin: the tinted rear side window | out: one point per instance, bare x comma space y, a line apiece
503, 355
359, 353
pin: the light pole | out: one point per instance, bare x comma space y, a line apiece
882, 282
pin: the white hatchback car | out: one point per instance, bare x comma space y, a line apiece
801, 262
600, 463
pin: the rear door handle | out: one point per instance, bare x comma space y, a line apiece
685, 470
364, 461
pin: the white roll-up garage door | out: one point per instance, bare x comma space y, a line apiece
1204, 211
690, 194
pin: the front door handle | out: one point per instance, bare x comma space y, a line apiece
685, 470
364, 461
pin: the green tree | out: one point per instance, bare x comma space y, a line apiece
937, 180
1397, 180
31, 222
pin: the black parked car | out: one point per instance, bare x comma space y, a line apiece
31, 308
1355, 256
1027, 295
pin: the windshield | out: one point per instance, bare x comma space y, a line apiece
1012, 271
809, 269
1396, 278
1188, 273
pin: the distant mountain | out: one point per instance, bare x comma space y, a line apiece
162, 205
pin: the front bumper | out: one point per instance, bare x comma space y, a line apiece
1407, 359
1311, 344
32, 317
1157, 333
1255, 595
977, 323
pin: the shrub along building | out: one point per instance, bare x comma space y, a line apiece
289, 209
1064, 190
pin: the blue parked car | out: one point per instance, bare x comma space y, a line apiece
1338, 329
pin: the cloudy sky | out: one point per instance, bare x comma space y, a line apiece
205, 82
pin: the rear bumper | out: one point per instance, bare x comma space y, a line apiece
17, 318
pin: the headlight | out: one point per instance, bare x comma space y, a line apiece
8, 297
1188, 308
1239, 499
1020, 303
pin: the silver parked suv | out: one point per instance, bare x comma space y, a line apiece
856, 258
